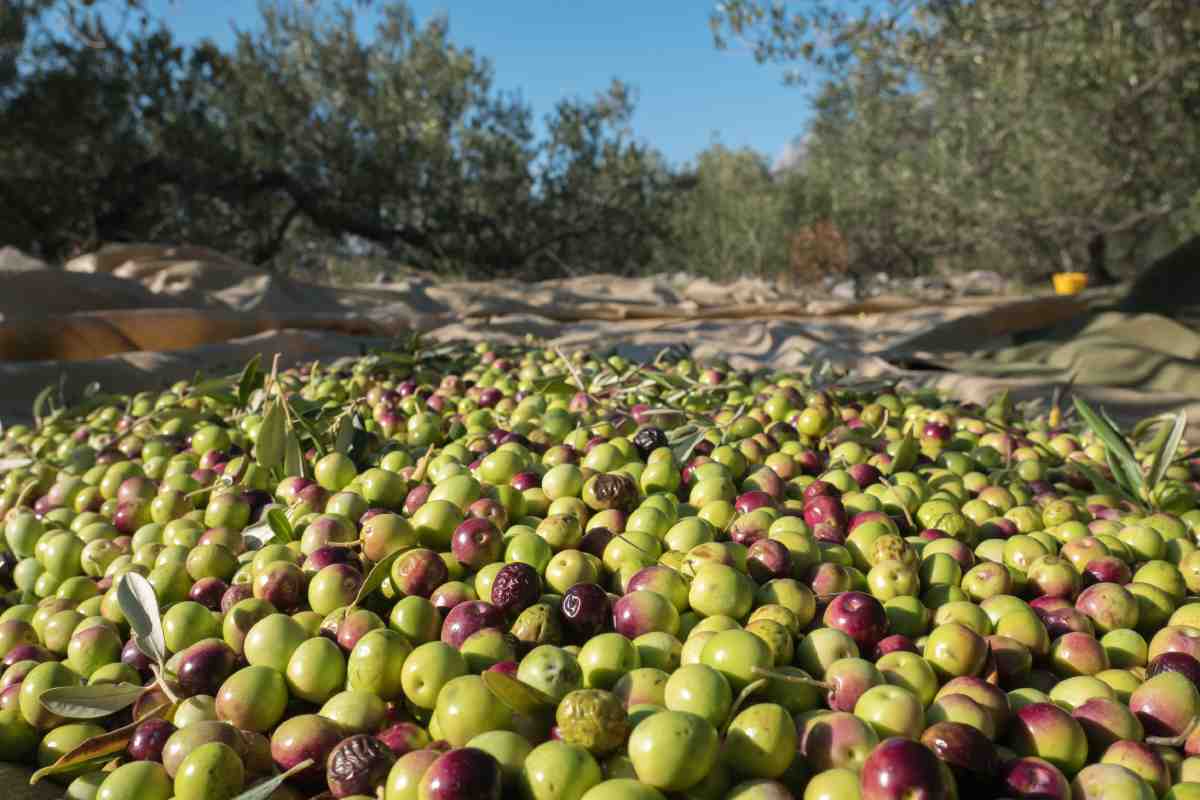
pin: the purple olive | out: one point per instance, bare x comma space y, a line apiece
1182, 663
148, 740
131, 655
595, 540
585, 610
467, 618
204, 666
358, 765
403, 737
418, 572
768, 559
234, 595
208, 592
969, 753
463, 774
515, 587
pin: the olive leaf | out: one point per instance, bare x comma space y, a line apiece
251, 379
265, 789
89, 702
308, 428
235, 478
1098, 480
42, 402
906, 455
376, 577
293, 456
520, 697
790, 677
272, 437
139, 604
93, 752
345, 435
77, 766
257, 536
9, 464
1166, 453
1124, 465
422, 465
741, 699
279, 525
682, 450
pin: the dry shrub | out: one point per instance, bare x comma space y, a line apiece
818, 250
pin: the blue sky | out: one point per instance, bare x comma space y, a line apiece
688, 91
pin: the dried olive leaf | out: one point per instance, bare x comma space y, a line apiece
96, 751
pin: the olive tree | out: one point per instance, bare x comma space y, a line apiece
1029, 136
305, 136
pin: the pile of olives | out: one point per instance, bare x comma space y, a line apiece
509, 572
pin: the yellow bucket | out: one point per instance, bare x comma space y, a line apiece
1070, 282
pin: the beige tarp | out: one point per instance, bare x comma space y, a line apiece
143, 315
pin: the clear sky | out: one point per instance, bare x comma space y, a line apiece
688, 91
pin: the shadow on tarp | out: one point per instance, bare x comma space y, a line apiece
15, 780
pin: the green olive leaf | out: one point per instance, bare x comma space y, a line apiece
138, 603
520, 697
265, 789
682, 450
345, 435
9, 464
293, 456
42, 402
258, 535
313, 434
741, 699
1125, 465
906, 455
789, 677
376, 577
251, 379
278, 522
272, 437
89, 702
1166, 454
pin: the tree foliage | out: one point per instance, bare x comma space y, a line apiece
305, 136
735, 219
1026, 135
